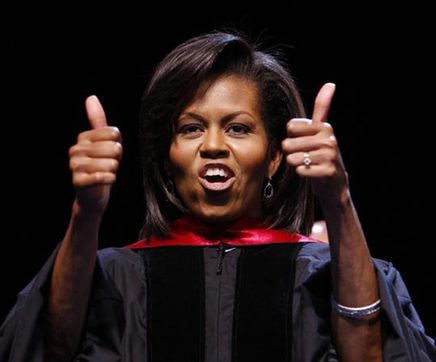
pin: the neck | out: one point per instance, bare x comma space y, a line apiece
216, 225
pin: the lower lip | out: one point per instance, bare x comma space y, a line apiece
217, 186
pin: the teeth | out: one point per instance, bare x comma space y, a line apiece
216, 172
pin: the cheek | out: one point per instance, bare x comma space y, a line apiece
180, 161
253, 162
176, 157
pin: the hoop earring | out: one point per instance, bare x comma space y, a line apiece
268, 191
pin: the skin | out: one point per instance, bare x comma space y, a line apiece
214, 137
222, 127
353, 276
94, 162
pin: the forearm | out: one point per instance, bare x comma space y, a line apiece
70, 286
354, 283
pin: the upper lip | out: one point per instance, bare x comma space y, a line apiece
228, 172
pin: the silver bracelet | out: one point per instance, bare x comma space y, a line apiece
355, 312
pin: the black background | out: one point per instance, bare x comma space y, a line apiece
383, 115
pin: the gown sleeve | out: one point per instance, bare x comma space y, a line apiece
22, 332
404, 334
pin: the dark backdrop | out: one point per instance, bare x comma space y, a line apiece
383, 115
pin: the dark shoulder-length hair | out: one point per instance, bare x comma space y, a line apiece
174, 84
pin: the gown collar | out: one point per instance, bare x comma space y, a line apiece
187, 231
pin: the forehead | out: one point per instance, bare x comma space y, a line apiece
227, 91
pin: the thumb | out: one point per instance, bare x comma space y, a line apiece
95, 112
323, 101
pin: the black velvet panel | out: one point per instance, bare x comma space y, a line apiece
175, 310
263, 310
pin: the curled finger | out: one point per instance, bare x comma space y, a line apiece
107, 133
306, 159
83, 179
100, 149
92, 165
317, 171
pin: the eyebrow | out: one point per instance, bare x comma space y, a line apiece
225, 119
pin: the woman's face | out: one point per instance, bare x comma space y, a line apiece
219, 156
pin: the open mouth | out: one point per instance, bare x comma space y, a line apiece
216, 177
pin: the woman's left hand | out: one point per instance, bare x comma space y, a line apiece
311, 148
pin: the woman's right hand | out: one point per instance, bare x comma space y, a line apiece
94, 160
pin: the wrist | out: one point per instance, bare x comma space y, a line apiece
361, 312
340, 203
86, 215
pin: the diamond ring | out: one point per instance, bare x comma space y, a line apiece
306, 159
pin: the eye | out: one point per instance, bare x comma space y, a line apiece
238, 129
190, 128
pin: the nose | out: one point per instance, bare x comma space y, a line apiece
214, 145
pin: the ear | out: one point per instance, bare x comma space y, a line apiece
276, 156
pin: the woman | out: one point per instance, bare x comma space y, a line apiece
222, 272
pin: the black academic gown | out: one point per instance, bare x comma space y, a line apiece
213, 304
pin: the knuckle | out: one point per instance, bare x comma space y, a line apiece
300, 170
118, 149
74, 150
331, 170
80, 137
97, 177
305, 121
318, 127
83, 136
286, 143
113, 165
115, 133
329, 155
290, 159
329, 143
78, 163
78, 180
74, 163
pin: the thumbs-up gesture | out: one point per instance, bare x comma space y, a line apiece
312, 149
94, 159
